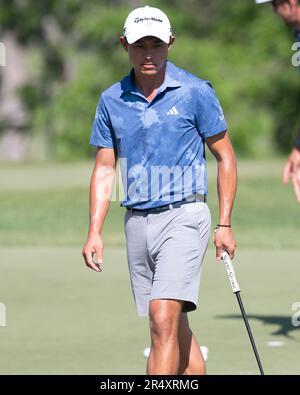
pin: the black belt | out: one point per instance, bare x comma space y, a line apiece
199, 198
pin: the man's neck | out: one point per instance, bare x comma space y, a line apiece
149, 84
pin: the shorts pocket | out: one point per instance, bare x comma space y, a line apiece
199, 214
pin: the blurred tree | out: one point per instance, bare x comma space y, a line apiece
73, 54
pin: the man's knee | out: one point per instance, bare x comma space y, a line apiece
164, 318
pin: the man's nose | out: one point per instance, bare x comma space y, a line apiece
148, 54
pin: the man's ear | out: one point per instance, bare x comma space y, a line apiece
171, 42
124, 43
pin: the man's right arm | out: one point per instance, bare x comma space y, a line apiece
102, 183
292, 168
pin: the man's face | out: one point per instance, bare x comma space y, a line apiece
287, 10
147, 55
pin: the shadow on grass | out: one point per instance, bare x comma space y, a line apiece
284, 322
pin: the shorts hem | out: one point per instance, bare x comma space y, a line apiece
188, 306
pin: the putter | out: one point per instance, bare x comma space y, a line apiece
236, 290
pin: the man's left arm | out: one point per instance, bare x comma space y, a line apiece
221, 148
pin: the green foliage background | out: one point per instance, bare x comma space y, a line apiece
243, 49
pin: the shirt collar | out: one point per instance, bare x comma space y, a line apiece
170, 81
128, 84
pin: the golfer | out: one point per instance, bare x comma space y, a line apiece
289, 12
156, 121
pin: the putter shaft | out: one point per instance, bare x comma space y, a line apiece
236, 290
238, 296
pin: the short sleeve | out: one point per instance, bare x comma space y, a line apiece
209, 114
101, 135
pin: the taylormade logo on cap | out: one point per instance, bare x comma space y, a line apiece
147, 21
137, 20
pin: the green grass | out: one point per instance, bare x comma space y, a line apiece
48, 206
63, 318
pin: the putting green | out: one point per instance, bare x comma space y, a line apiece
65, 319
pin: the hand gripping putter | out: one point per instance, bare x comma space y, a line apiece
236, 290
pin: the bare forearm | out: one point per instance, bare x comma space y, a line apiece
101, 187
221, 147
227, 185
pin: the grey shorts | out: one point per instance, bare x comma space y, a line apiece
165, 251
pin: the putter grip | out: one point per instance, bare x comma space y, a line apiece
231, 273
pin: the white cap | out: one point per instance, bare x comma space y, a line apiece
262, 1
147, 21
